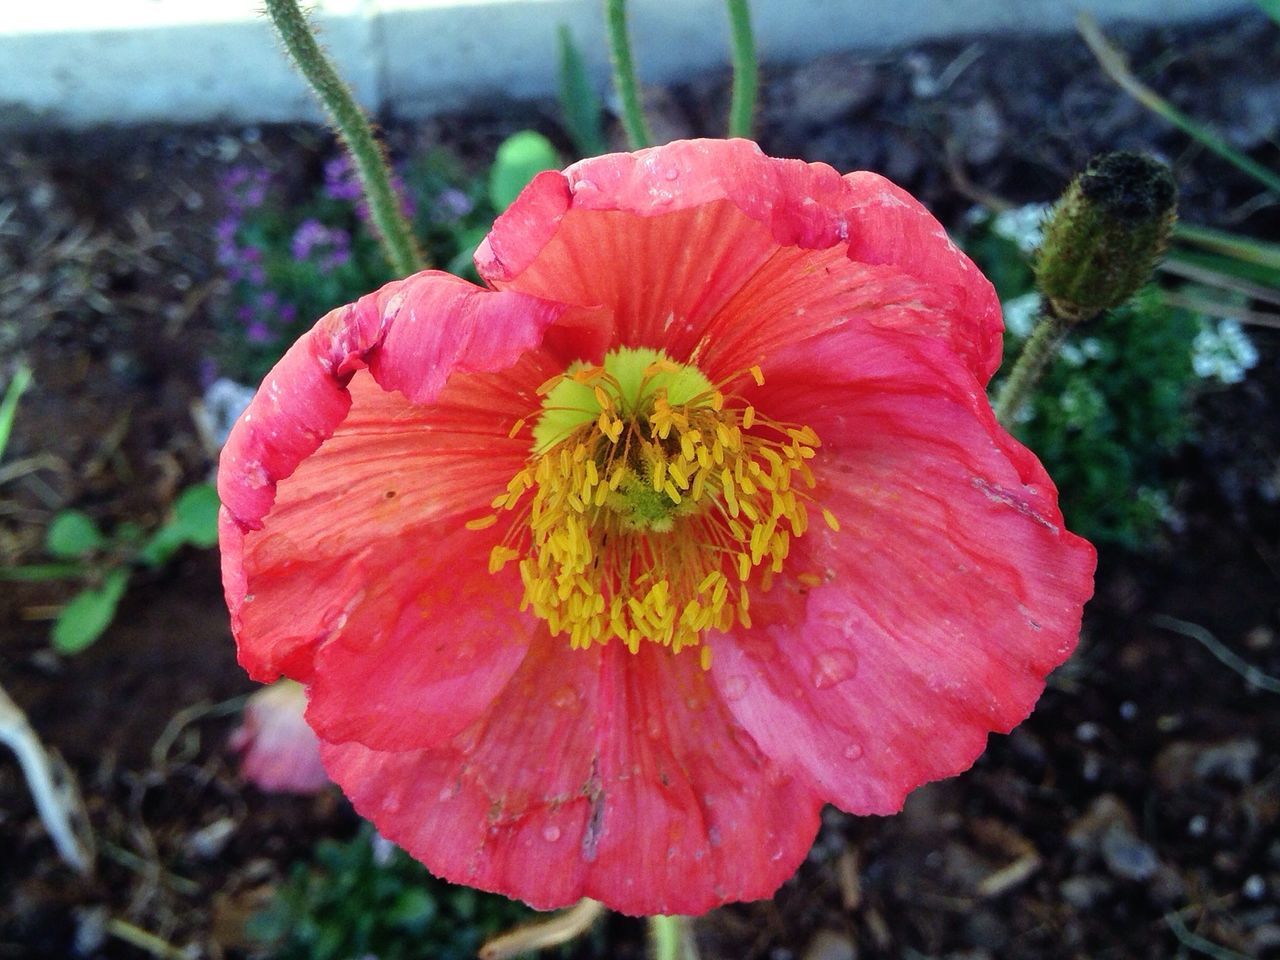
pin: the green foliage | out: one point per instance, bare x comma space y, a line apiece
520, 158
350, 902
194, 522
1110, 411
578, 100
18, 385
73, 535
89, 613
1113, 406
104, 562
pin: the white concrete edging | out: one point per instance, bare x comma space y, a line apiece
80, 62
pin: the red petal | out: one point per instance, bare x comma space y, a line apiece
665, 237
950, 592
412, 333
893, 229
597, 773
365, 491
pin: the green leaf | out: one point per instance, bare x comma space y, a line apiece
9, 405
162, 545
72, 535
89, 613
196, 515
413, 909
194, 521
520, 158
1247, 249
1271, 8
578, 100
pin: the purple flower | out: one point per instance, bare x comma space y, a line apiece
328, 247
340, 180
453, 205
244, 188
342, 183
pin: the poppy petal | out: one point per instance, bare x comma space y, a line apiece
604, 774
696, 221
949, 593
314, 490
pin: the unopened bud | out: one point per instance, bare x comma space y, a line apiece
1104, 236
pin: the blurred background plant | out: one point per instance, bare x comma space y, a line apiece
1115, 405
289, 259
104, 563
364, 897
1227, 274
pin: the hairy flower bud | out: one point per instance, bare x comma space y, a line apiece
1105, 234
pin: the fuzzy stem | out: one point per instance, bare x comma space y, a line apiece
1032, 361
624, 75
398, 242
742, 108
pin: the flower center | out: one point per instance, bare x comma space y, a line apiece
650, 503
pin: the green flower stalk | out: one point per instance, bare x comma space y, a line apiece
394, 232
1102, 241
624, 75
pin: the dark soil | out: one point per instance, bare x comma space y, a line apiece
1136, 814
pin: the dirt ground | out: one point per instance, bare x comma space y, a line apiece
1135, 815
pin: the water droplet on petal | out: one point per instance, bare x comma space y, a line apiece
832, 667
551, 833
853, 751
585, 186
672, 174
734, 687
565, 698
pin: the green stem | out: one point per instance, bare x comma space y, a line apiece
666, 936
746, 79
624, 75
353, 126
39, 572
1032, 361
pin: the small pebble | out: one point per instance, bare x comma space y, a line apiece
830, 945
1128, 857
209, 841
1128, 710
1255, 888
1198, 825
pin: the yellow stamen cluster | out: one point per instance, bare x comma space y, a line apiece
649, 502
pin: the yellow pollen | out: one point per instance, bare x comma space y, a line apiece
652, 503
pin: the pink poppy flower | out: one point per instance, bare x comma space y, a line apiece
281, 754
604, 578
